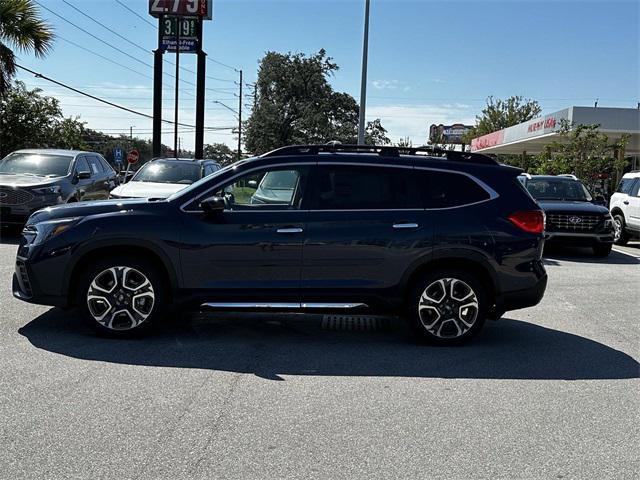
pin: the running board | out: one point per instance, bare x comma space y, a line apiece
281, 306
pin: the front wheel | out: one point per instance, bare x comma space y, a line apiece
448, 307
602, 250
121, 297
620, 236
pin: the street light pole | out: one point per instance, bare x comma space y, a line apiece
363, 86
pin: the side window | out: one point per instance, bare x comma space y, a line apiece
635, 188
346, 187
279, 188
445, 190
94, 164
625, 185
82, 165
208, 170
105, 165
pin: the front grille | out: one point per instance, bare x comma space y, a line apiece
23, 278
14, 196
569, 222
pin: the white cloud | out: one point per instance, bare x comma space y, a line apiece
414, 120
390, 85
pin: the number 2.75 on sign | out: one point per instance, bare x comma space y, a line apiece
189, 8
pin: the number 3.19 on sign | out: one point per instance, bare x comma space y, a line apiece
182, 8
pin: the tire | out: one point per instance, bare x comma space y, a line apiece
602, 250
134, 303
425, 311
621, 236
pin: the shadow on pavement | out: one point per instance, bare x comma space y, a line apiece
585, 255
296, 345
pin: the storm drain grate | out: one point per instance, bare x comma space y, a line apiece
355, 323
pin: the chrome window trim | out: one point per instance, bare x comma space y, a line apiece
490, 191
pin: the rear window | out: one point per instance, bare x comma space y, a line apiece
625, 186
446, 190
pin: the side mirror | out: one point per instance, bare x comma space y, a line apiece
83, 175
600, 200
253, 184
213, 205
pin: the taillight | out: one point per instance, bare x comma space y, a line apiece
532, 221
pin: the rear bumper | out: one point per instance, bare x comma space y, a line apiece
522, 298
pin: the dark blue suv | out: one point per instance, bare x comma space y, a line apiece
445, 239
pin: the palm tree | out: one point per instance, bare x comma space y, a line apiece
21, 29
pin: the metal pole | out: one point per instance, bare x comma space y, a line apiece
200, 95
240, 120
175, 134
157, 94
363, 86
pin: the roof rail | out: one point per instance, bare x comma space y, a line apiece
381, 150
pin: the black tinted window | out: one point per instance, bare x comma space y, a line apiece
94, 164
444, 190
345, 187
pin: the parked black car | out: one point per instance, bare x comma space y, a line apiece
574, 216
445, 241
33, 179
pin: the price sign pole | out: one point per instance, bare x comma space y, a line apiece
180, 30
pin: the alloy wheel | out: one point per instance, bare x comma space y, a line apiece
120, 298
617, 227
448, 308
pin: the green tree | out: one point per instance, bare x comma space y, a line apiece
295, 104
31, 120
21, 29
499, 114
221, 153
583, 151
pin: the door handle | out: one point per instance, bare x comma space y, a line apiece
289, 230
626, 202
403, 226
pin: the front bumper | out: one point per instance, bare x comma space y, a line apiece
19, 214
580, 239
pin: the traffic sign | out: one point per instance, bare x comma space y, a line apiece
133, 156
182, 8
118, 155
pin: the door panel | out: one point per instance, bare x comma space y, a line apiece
634, 206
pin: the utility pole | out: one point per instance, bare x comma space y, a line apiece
157, 95
131, 133
200, 95
363, 86
240, 120
175, 134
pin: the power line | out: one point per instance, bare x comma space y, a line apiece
137, 15
44, 77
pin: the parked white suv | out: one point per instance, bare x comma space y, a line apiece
625, 208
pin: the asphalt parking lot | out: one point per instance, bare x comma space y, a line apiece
547, 392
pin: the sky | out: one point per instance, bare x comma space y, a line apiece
429, 61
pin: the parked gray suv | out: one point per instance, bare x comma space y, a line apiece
38, 178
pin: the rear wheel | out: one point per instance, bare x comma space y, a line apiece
621, 237
448, 307
122, 296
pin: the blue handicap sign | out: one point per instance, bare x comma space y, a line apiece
118, 155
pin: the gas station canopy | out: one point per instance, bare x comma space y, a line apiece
532, 136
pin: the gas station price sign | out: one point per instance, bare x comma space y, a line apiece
182, 8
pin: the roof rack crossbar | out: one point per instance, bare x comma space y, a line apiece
387, 151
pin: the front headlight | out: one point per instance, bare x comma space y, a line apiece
50, 190
49, 229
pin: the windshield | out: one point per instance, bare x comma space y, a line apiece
558, 189
204, 180
168, 172
41, 165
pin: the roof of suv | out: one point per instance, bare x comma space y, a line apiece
52, 151
635, 174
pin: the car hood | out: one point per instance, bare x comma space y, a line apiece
20, 180
572, 207
148, 189
84, 209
